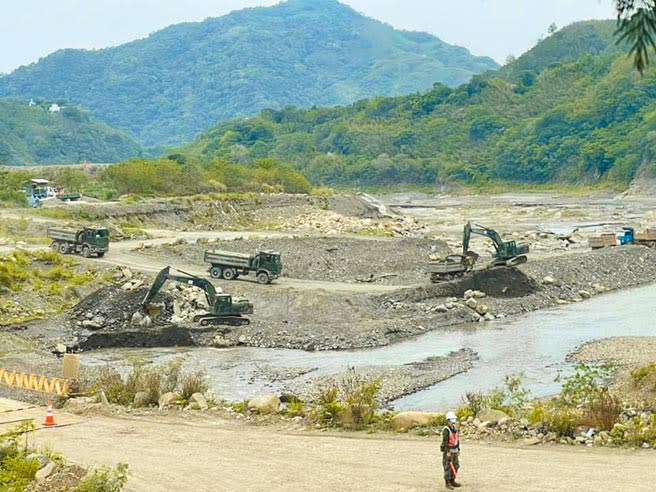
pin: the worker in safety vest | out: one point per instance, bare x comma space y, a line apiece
450, 448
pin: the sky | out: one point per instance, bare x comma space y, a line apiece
31, 29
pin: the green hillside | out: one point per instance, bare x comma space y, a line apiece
168, 87
31, 134
546, 117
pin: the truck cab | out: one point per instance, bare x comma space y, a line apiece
98, 238
268, 260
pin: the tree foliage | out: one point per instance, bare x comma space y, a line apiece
168, 87
636, 26
33, 135
545, 117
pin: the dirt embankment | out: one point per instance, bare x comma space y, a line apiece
390, 261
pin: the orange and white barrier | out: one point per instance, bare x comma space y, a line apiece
33, 382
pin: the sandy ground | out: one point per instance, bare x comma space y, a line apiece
620, 351
201, 454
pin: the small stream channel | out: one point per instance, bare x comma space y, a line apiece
535, 344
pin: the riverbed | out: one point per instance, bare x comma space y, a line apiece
535, 344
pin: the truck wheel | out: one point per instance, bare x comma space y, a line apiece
101, 254
229, 274
86, 251
262, 278
215, 272
55, 245
651, 244
63, 248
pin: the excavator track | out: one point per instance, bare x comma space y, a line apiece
224, 320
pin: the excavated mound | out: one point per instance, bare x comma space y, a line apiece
111, 308
500, 282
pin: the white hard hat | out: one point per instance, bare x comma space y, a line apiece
451, 417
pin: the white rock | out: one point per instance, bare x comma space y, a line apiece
167, 400
200, 400
548, 280
269, 403
45, 472
585, 294
407, 420
471, 303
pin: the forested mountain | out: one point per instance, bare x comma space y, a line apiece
32, 134
570, 110
176, 82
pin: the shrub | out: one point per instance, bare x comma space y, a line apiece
194, 382
295, 408
603, 411
512, 398
554, 417
350, 402
153, 381
15, 471
644, 374
586, 384
359, 396
105, 479
328, 407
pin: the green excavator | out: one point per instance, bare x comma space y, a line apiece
223, 308
507, 253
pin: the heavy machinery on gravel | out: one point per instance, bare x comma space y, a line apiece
87, 241
507, 253
223, 308
229, 265
628, 236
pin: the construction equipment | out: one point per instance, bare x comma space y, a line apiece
628, 236
223, 308
646, 237
229, 265
87, 241
507, 253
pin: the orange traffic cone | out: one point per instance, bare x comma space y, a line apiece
50, 416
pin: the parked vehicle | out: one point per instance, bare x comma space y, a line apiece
229, 265
87, 241
603, 241
628, 236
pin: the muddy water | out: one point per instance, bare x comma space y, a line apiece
536, 344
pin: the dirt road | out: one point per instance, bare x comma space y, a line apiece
209, 455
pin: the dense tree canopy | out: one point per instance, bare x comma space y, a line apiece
31, 134
570, 110
168, 87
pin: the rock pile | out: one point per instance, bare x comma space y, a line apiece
329, 223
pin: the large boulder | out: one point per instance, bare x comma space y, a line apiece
265, 404
167, 400
407, 420
81, 405
141, 399
197, 399
492, 416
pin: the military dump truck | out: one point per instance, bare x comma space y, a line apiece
229, 265
87, 241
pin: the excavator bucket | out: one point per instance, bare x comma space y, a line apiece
154, 289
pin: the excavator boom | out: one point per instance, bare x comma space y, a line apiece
224, 309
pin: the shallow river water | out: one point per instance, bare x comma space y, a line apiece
535, 344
